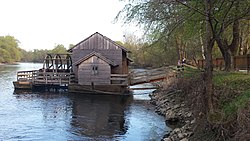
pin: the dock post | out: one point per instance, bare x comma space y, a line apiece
46, 79
92, 86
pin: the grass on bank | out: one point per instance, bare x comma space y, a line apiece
236, 86
188, 72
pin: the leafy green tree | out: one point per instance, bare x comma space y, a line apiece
59, 49
27, 56
244, 37
38, 55
207, 19
162, 18
9, 50
5, 56
71, 46
133, 44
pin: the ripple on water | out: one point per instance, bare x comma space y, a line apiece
63, 116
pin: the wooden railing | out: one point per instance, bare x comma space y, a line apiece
50, 78
62, 78
151, 75
119, 79
26, 75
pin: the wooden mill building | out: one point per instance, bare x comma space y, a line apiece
99, 64
95, 65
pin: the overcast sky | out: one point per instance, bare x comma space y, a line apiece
41, 24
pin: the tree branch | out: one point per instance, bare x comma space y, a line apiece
192, 8
242, 16
224, 17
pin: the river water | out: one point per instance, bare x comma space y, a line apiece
66, 116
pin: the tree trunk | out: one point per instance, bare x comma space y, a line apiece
209, 43
234, 46
226, 53
209, 75
229, 51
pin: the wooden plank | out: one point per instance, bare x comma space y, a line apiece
148, 76
122, 79
149, 81
51, 82
119, 75
144, 88
26, 71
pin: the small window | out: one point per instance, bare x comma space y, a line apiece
94, 69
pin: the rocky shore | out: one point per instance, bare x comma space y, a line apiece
183, 102
170, 103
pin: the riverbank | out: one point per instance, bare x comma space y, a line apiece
13, 63
170, 102
182, 102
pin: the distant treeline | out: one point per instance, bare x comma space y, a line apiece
142, 55
37, 55
10, 52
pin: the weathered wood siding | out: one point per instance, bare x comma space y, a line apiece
114, 55
86, 75
106, 48
124, 63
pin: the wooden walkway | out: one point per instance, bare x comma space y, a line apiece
150, 75
28, 79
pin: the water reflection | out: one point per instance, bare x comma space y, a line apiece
45, 114
27, 115
97, 116
81, 116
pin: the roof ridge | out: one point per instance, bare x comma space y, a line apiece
123, 48
99, 55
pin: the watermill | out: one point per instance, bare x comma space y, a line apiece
56, 72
